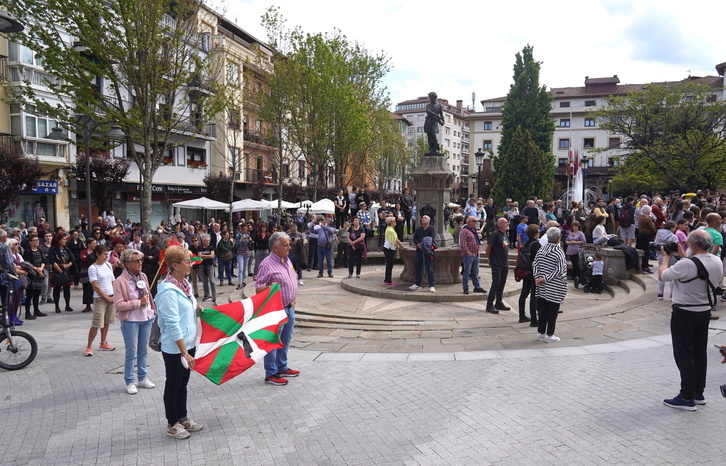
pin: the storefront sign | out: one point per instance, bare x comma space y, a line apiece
44, 187
171, 189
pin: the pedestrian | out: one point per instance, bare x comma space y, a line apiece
297, 251
407, 207
277, 268
136, 310
425, 240
550, 275
104, 313
470, 243
87, 259
34, 256
194, 244
243, 248
530, 248
262, 247
206, 269
178, 309
61, 260
326, 241
693, 281
646, 233
498, 255
389, 249
225, 254
575, 241
356, 246
151, 267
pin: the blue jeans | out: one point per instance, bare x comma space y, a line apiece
136, 340
420, 261
471, 269
225, 266
327, 254
242, 264
276, 360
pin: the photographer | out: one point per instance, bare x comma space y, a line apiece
693, 300
666, 239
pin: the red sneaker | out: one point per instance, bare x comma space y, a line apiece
106, 347
288, 373
275, 380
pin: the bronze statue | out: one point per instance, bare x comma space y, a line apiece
434, 118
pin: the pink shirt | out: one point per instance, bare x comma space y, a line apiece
275, 269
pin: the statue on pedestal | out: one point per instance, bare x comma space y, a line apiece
434, 118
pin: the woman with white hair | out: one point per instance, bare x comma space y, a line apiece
550, 275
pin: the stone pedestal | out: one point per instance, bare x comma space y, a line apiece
446, 266
614, 262
432, 180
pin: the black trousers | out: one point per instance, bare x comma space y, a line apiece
313, 253
689, 333
390, 257
499, 279
355, 257
547, 316
175, 389
528, 288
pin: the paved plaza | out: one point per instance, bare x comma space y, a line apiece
381, 385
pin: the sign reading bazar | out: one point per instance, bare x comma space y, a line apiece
165, 188
43, 187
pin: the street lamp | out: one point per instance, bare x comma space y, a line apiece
87, 125
479, 157
583, 166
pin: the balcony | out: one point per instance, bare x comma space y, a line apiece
257, 137
253, 175
34, 77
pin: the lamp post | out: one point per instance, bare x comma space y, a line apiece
583, 167
87, 126
479, 157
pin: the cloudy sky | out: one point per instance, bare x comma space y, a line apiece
463, 46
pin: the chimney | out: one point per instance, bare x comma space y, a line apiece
459, 105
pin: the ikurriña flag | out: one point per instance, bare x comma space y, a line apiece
237, 335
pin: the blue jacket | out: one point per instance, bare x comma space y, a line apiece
177, 317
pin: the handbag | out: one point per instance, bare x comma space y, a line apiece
60, 278
227, 256
155, 335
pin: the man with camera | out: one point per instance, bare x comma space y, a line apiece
693, 299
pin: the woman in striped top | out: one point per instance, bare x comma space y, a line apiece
550, 276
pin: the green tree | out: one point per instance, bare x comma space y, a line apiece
672, 133
330, 89
387, 153
139, 63
528, 106
524, 171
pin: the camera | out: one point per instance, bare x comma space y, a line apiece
670, 248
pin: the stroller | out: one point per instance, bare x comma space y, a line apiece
586, 257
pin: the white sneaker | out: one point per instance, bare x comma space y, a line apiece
300, 282
414, 287
177, 431
146, 383
540, 336
131, 389
432, 290
551, 338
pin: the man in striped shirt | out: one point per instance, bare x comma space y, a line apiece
277, 268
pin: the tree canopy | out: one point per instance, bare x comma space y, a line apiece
672, 133
17, 175
139, 63
526, 109
525, 171
106, 172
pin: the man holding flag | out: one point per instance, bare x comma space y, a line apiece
277, 268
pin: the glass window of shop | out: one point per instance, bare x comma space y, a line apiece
29, 209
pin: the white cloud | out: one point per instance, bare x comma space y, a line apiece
456, 48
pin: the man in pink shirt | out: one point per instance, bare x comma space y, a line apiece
277, 268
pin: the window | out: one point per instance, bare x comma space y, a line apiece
612, 162
410, 130
196, 157
300, 171
562, 162
487, 145
564, 144
564, 123
711, 98
564, 104
589, 103
588, 143
420, 129
234, 121
259, 163
487, 126
447, 143
35, 126
447, 130
614, 143
589, 122
233, 74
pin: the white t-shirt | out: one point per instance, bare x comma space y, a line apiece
696, 291
104, 276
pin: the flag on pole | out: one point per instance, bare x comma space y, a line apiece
235, 336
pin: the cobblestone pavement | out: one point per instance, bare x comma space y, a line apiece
572, 403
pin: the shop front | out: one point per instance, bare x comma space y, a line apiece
32, 205
162, 198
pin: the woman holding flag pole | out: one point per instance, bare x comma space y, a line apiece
177, 310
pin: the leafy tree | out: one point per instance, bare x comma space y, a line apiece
105, 171
524, 171
218, 186
17, 174
139, 63
324, 95
527, 106
387, 153
673, 134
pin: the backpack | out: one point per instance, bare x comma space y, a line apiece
626, 217
524, 258
702, 273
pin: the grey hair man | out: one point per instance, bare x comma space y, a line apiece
693, 302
